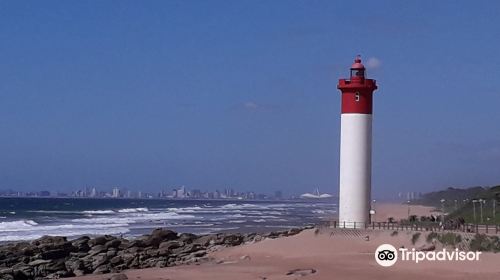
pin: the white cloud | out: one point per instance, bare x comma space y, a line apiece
373, 63
250, 105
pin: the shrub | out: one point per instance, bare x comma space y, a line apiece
480, 242
431, 236
415, 238
450, 238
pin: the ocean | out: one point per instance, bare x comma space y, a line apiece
31, 218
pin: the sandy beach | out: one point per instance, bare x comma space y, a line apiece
323, 255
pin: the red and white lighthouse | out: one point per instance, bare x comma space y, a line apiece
356, 147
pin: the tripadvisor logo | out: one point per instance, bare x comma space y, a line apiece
387, 255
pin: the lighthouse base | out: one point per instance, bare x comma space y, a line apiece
355, 170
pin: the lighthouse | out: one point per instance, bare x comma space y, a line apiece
355, 147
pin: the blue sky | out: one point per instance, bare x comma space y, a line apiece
242, 94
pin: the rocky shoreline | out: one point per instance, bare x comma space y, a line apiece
53, 257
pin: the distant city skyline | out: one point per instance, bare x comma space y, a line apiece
243, 93
178, 192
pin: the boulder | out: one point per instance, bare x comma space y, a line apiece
233, 239
55, 265
99, 260
187, 237
97, 250
22, 272
49, 240
206, 240
187, 249
159, 235
78, 272
101, 269
138, 243
74, 265
99, 240
38, 262
111, 253
172, 244
115, 260
113, 243
55, 254
294, 231
427, 248
81, 244
120, 276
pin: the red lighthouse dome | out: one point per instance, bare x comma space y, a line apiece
357, 91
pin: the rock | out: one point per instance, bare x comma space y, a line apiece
4, 270
51, 240
158, 236
112, 243
59, 274
187, 249
22, 272
78, 272
187, 237
97, 250
38, 262
74, 265
81, 244
55, 265
128, 258
136, 244
162, 263
115, 260
54, 257
111, 253
206, 240
233, 239
120, 276
99, 240
294, 231
196, 254
427, 247
134, 250
99, 259
101, 269
258, 238
249, 237
7, 277
301, 272
28, 251
55, 254
172, 244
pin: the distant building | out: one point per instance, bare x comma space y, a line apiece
93, 192
278, 195
116, 192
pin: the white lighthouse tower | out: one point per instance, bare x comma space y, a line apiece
355, 147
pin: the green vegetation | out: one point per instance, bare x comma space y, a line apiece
485, 243
431, 236
415, 238
450, 239
449, 195
466, 203
447, 239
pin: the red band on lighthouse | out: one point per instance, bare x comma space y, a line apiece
357, 92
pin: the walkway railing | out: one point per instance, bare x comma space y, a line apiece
421, 226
